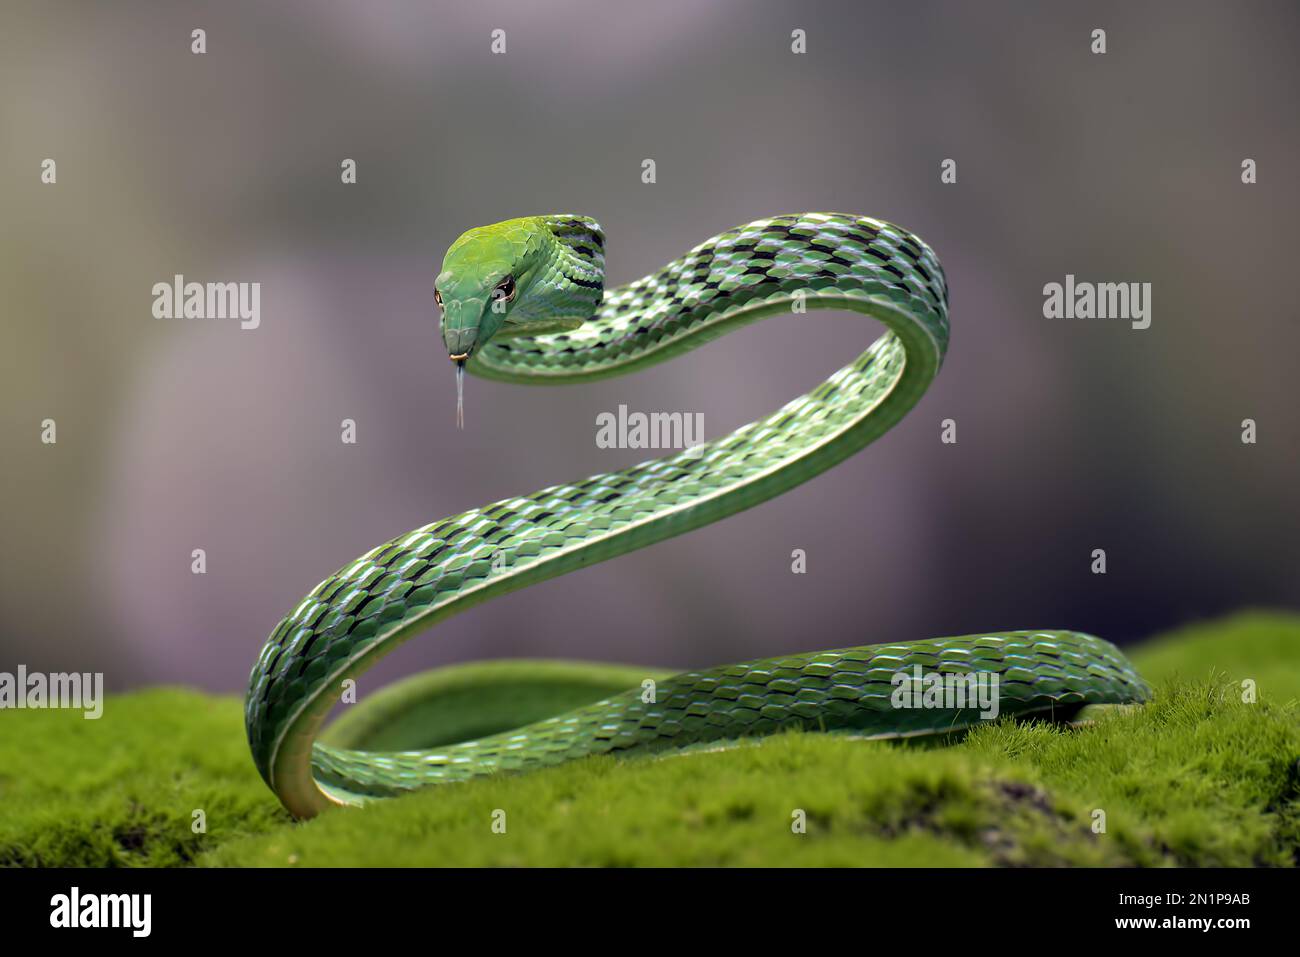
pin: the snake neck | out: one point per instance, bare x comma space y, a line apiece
785, 263
568, 281
579, 245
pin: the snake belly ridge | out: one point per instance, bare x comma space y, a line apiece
524, 302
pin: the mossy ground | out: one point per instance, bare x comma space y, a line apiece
1199, 777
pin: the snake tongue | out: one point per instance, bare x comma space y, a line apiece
460, 393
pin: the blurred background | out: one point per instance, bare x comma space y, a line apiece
1072, 435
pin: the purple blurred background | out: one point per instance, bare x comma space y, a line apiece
1072, 435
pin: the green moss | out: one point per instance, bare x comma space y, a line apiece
122, 789
1199, 777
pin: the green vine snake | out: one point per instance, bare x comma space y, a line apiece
523, 301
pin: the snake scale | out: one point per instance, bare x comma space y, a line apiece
524, 302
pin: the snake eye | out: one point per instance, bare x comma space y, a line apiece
437, 297
505, 290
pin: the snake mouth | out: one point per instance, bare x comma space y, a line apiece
460, 358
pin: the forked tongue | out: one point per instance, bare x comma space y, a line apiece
460, 393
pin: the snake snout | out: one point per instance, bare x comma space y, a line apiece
460, 342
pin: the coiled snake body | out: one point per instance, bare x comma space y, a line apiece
524, 302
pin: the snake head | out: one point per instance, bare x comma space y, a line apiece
482, 278
522, 277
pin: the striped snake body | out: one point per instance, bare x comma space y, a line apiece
524, 302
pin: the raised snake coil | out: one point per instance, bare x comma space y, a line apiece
772, 266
